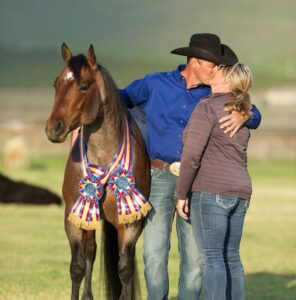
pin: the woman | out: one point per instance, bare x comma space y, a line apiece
213, 169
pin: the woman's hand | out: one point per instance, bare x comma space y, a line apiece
182, 208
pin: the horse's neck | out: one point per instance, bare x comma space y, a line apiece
104, 138
103, 143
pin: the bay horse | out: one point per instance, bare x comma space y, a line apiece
86, 95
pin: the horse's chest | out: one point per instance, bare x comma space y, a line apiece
109, 207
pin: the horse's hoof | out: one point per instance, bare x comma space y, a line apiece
87, 296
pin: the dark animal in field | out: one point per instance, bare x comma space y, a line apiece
87, 97
24, 193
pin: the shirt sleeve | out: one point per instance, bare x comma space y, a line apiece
137, 93
195, 138
255, 119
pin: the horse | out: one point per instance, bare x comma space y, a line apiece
19, 192
87, 97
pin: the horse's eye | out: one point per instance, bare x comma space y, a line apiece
83, 87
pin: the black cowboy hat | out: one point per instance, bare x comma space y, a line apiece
228, 57
202, 45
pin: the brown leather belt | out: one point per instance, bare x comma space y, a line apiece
159, 164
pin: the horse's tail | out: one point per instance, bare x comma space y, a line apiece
109, 261
109, 265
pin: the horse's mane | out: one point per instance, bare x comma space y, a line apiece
117, 106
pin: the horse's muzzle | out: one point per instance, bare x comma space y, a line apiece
55, 132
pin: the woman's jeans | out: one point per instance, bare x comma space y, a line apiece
217, 222
157, 234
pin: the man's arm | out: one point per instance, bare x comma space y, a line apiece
136, 93
255, 119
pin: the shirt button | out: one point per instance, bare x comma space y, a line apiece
179, 135
181, 121
178, 152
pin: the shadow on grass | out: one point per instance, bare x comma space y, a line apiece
268, 286
271, 286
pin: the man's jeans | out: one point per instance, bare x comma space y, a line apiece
217, 223
157, 233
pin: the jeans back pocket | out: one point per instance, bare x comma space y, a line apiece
227, 202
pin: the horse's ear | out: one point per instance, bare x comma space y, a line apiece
91, 57
66, 53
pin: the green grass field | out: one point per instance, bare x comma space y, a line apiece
34, 252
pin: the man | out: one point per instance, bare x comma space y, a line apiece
168, 99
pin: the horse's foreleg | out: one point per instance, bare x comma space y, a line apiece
77, 265
127, 238
83, 249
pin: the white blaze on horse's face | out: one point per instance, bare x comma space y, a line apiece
69, 76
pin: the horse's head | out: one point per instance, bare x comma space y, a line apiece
79, 95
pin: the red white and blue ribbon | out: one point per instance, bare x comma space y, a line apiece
131, 204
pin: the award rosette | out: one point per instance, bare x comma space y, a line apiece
131, 204
90, 188
121, 183
86, 213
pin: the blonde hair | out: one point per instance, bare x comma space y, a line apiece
240, 79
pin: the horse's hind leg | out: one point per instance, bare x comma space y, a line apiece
127, 238
83, 250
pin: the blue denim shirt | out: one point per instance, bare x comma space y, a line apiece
168, 104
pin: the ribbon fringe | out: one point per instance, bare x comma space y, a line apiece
125, 219
79, 223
